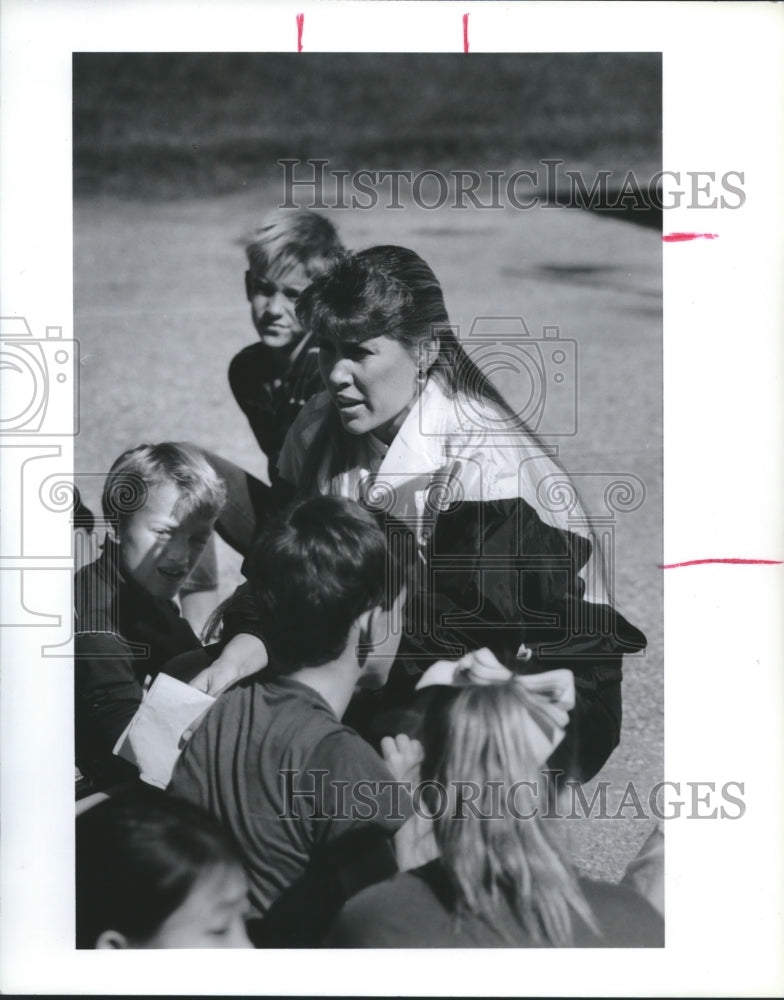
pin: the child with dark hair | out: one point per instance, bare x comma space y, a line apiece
310, 804
153, 872
162, 501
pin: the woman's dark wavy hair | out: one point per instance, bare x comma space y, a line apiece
390, 291
313, 573
137, 859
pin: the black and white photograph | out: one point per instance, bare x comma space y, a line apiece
365, 513
436, 315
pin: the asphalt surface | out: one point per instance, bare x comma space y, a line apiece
160, 311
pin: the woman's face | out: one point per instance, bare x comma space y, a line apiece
158, 547
372, 384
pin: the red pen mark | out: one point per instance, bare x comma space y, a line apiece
300, 26
465, 32
682, 237
731, 562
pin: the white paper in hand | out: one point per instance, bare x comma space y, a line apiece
153, 739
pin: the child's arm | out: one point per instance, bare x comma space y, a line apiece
244, 655
108, 691
106, 696
415, 844
244, 652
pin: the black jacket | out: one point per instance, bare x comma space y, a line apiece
122, 633
271, 393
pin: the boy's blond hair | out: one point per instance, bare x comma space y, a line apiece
140, 469
287, 238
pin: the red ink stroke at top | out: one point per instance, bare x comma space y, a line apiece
683, 237
300, 26
465, 32
731, 562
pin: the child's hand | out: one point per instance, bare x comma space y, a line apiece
415, 843
403, 756
243, 656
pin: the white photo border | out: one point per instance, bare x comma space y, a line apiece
723, 80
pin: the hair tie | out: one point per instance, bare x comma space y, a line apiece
550, 695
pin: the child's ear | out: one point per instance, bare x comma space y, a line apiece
374, 623
368, 632
111, 939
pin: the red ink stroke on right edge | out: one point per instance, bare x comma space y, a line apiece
465, 32
300, 26
682, 237
731, 562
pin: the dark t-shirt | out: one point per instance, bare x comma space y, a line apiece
271, 389
309, 802
411, 910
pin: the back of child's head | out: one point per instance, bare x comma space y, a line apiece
141, 469
289, 237
313, 574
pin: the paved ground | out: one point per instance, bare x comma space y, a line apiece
159, 311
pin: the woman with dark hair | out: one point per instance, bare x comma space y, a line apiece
155, 872
497, 874
410, 426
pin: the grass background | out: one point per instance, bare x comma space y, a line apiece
159, 125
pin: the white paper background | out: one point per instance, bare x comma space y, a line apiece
723, 89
